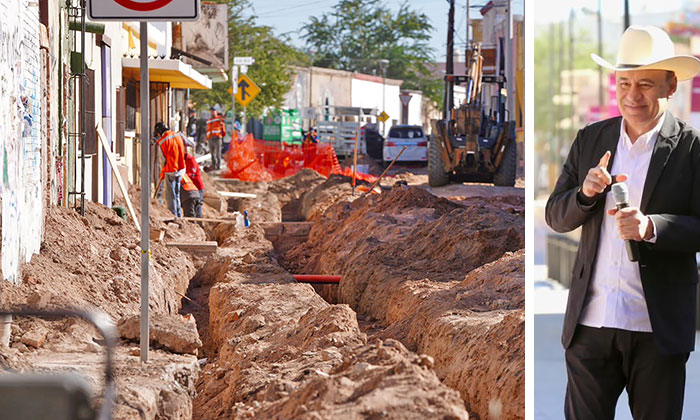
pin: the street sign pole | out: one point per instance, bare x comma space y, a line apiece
234, 91
144, 12
244, 131
145, 189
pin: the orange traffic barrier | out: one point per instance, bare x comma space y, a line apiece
260, 160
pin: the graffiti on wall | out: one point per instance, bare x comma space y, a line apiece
20, 112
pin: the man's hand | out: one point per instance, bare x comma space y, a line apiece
598, 178
632, 224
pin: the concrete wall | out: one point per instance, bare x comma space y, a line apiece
20, 129
367, 92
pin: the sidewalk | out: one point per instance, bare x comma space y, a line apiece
550, 369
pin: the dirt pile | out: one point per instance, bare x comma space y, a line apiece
286, 353
173, 333
94, 262
406, 258
336, 188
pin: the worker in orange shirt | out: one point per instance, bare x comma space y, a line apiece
216, 131
190, 198
173, 149
195, 174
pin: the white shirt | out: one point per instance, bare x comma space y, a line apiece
615, 296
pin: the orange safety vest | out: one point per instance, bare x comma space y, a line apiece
187, 184
216, 127
174, 151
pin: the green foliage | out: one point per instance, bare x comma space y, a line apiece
551, 49
271, 71
359, 33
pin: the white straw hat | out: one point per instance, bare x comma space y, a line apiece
650, 48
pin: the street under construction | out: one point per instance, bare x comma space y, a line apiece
426, 318
315, 272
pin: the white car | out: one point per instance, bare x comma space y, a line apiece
411, 136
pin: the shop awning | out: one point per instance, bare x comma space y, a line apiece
175, 72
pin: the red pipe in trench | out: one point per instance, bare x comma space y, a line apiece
317, 278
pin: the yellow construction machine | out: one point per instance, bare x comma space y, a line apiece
476, 140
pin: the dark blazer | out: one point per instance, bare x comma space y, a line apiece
671, 197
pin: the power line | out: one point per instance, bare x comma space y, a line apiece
298, 6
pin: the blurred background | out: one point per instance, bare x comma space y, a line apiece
571, 91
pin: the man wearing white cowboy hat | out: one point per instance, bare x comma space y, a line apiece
631, 324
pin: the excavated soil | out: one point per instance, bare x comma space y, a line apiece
444, 278
437, 285
278, 350
94, 263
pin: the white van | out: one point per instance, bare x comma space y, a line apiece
411, 136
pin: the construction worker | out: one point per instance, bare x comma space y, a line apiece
216, 130
195, 174
311, 136
173, 149
190, 197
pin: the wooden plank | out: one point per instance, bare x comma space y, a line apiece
236, 194
103, 139
204, 247
227, 180
157, 234
215, 202
202, 219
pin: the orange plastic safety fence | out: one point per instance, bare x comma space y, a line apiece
260, 160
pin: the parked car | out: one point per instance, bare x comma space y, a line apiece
411, 136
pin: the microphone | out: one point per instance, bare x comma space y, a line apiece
621, 197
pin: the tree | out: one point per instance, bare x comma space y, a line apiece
357, 34
273, 58
551, 57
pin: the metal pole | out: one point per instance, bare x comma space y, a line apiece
510, 104
244, 128
383, 99
82, 108
449, 100
627, 15
572, 112
145, 189
560, 89
234, 90
601, 91
467, 48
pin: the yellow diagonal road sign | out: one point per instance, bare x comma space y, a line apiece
383, 117
247, 90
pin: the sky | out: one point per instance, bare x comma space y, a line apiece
288, 16
547, 11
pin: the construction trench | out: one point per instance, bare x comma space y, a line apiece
427, 321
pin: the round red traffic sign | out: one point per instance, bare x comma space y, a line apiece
147, 6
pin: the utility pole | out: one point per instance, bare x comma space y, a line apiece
560, 69
627, 15
552, 109
601, 91
572, 111
467, 48
384, 63
509, 62
449, 100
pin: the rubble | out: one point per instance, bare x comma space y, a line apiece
173, 333
424, 267
428, 320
